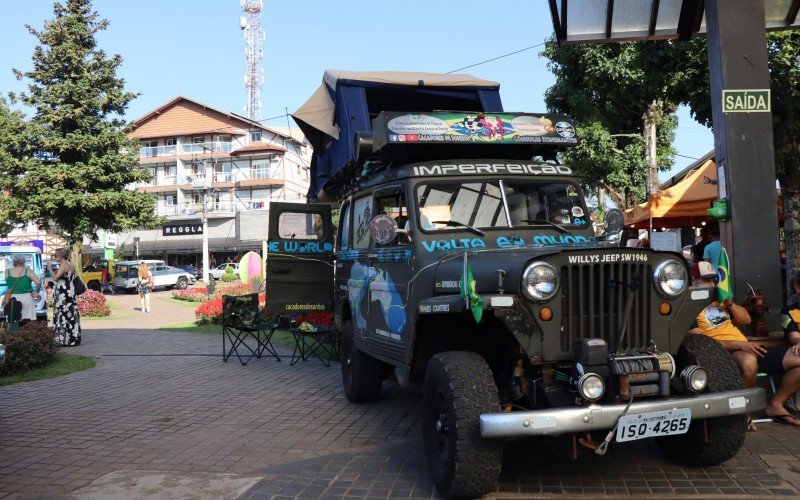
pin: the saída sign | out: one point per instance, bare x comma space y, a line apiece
746, 101
185, 229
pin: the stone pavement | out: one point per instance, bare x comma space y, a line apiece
161, 415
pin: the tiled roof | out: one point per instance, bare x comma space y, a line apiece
259, 147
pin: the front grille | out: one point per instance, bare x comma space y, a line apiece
593, 298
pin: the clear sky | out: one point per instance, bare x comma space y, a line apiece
196, 49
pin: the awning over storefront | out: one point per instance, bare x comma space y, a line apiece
681, 205
184, 246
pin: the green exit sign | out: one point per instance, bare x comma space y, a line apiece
745, 101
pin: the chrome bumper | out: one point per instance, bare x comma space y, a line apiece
569, 420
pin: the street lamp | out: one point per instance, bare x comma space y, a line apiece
204, 185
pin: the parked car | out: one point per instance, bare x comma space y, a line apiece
218, 271
33, 260
126, 275
195, 271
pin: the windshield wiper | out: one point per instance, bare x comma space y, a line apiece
549, 223
454, 223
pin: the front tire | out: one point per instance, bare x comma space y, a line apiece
182, 284
725, 434
459, 387
361, 374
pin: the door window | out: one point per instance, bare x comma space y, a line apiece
395, 207
344, 227
362, 214
300, 226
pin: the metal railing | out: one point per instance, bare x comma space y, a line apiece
163, 210
186, 149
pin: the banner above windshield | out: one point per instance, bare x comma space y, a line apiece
461, 127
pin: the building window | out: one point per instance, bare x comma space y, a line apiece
198, 140
261, 170
255, 136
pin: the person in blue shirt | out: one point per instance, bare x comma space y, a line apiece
713, 250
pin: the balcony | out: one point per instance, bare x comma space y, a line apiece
185, 149
165, 210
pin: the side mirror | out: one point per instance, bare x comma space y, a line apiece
383, 229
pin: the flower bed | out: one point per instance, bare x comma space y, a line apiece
92, 303
190, 294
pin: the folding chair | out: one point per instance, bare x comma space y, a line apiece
240, 321
319, 339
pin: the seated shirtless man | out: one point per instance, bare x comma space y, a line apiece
717, 321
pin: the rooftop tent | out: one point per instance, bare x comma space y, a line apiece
347, 101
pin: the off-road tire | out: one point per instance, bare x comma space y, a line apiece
725, 434
361, 374
459, 386
182, 284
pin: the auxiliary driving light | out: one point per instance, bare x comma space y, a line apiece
694, 378
591, 386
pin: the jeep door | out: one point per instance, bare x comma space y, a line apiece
390, 270
299, 258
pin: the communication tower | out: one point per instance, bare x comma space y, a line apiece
254, 38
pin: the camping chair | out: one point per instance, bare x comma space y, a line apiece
240, 322
12, 312
315, 335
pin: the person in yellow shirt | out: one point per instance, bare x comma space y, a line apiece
718, 321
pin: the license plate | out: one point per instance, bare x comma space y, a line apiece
652, 424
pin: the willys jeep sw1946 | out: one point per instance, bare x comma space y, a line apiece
465, 258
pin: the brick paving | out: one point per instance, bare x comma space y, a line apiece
164, 401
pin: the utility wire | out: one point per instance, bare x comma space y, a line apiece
498, 57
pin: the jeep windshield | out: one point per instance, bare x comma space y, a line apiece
500, 204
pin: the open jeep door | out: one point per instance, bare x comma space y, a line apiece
299, 258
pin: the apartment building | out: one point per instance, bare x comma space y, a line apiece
195, 153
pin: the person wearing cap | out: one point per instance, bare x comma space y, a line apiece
717, 321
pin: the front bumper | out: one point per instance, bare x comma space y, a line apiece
569, 420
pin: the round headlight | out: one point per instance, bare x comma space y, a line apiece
671, 278
591, 386
540, 281
694, 378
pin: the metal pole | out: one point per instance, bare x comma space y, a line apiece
205, 228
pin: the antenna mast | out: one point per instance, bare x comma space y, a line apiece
254, 37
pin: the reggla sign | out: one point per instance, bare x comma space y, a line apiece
746, 101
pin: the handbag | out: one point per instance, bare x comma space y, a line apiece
77, 284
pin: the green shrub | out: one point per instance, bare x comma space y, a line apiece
229, 274
33, 345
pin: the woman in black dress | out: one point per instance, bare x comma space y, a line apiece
66, 319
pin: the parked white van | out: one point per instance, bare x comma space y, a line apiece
33, 260
126, 275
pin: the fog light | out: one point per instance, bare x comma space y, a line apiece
591, 386
694, 378
665, 308
545, 314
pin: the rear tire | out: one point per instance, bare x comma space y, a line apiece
94, 285
725, 434
459, 387
361, 374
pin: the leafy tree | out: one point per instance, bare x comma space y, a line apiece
783, 51
66, 168
612, 91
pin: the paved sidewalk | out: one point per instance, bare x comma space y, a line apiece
162, 414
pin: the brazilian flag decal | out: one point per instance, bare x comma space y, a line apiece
724, 291
468, 294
